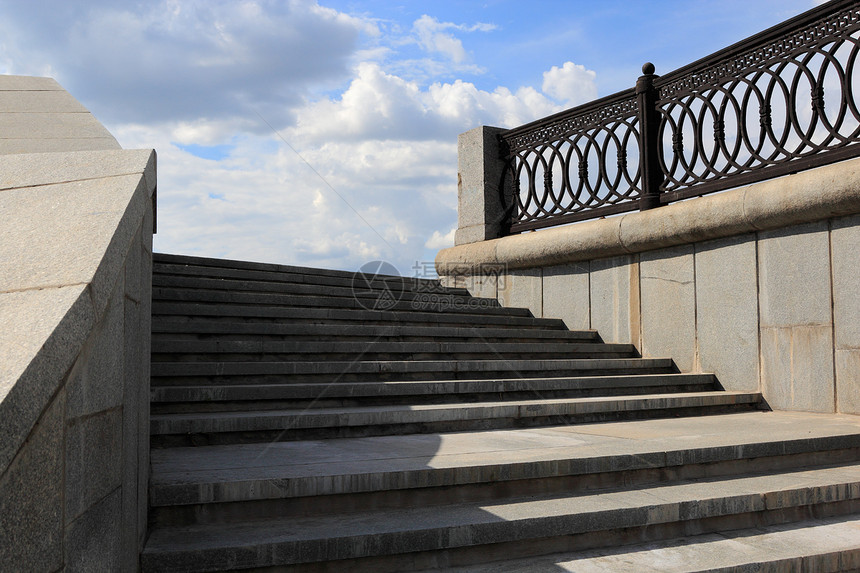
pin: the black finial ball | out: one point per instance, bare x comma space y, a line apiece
648, 68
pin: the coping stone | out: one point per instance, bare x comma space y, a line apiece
51, 125
36, 169
727, 311
566, 295
811, 195
28, 83
41, 244
31, 504
28, 101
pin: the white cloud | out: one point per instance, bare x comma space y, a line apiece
176, 75
433, 36
439, 241
571, 84
380, 106
188, 60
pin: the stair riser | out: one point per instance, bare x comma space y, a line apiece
323, 402
163, 273
168, 311
302, 285
216, 268
322, 297
383, 356
513, 540
163, 439
261, 500
173, 380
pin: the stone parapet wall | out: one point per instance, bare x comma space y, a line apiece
757, 285
75, 311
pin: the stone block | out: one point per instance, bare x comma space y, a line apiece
669, 305
480, 173
28, 83
93, 540
797, 368
28, 170
93, 460
727, 311
43, 331
135, 376
41, 246
848, 381
485, 281
31, 498
566, 295
523, 289
794, 276
95, 381
845, 238
49, 125
614, 284
29, 101
133, 269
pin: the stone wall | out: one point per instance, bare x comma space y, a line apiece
757, 285
75, 291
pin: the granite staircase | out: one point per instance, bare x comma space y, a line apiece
316, 420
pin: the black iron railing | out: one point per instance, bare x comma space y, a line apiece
777, 103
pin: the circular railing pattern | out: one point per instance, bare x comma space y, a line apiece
781, 101
578, 167
772, 105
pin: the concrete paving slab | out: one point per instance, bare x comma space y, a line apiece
428, 528
832, 544
241, 421
222, 473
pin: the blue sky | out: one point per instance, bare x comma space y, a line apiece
324, 133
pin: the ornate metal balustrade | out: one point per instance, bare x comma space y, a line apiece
777, 103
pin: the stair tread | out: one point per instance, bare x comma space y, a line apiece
299, 329
415, 387
789, 547
215, 368
313, 467
436, 527
435, 413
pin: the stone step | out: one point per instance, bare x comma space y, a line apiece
366, 297
190, 373
166, 310
169, 399
416, 303
223, 483
300, 424
829, 545
167, 350
356, 280
170, 263
195, 327
397, 540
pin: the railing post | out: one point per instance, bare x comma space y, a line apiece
480, 174
649, 144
